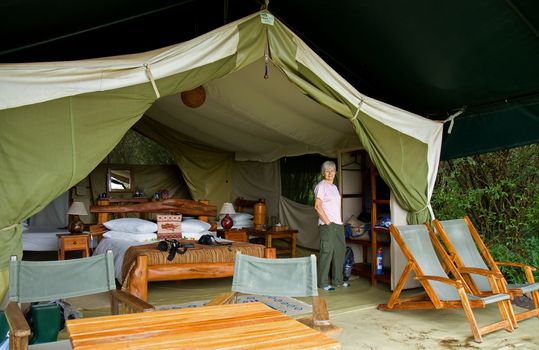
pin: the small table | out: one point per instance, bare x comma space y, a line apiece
239, 235
72, 242
239, 326
269, 235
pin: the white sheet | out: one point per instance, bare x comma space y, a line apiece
118, 247
43, 238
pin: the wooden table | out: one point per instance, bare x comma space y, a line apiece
232, 326
72, 242
239, 235
269, 235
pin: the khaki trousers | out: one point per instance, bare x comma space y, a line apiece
332, 250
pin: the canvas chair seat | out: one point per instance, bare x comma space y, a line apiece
490, 299
57, 345
35, 281
423, 251
292, 277
525, 288
467, 249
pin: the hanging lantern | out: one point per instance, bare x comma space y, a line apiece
194, 98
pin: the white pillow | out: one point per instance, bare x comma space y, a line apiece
238, 216
240, 224
134, 237
131, 225
194, 225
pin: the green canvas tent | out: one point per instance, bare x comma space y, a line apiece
60, 119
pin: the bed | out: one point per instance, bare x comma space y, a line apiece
43, 238
40, 238
143, 263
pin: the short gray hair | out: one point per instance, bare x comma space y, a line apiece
328, 164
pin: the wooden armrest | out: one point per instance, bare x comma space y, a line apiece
524, 266
479, 271
132, 301
17, 323
454, 283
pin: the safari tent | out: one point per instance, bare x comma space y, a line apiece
268, 95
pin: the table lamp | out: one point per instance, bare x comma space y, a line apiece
76, 225
227, 221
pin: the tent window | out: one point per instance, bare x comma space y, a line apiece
299, 176
137, 149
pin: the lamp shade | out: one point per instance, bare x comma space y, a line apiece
227, 208
77, 208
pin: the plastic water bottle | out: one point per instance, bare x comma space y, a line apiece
379, 259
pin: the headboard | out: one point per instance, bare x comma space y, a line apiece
258, 210
241, 203
173, 205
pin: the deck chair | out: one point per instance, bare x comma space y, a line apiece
291, 277
467, 249
37, 281
421, 248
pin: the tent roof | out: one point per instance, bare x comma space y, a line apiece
238, 116
431, 58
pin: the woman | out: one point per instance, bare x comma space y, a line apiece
332, 242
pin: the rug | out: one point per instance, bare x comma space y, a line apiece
286, 305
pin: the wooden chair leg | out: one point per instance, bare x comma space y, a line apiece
398, 289
18, 343
320, 318
114, 305
535, 298
506, 310
470, 316
320, 311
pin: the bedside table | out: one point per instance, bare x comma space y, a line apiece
239, 235
72, 242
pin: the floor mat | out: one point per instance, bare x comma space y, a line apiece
288, 306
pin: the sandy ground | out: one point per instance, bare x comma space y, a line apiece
364, 327
440, 329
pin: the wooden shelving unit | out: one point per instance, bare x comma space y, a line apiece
376, 201
364, 268
357, 170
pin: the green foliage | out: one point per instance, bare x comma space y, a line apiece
136, 149
299, 176
499, 191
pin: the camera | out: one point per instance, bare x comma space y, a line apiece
173, 247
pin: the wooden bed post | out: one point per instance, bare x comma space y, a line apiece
204, 218
102, 217
138, 283
270, 253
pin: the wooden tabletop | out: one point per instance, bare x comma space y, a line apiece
233, 326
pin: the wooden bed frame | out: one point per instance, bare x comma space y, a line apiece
142, 273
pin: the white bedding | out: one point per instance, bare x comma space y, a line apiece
42, 238
120, 246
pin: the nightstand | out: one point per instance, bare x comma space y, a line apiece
72, 242
239, 235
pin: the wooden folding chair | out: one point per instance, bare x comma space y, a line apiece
34, 281
421, 248
292, 277
467, 250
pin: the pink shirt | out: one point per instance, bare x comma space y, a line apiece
331, 201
